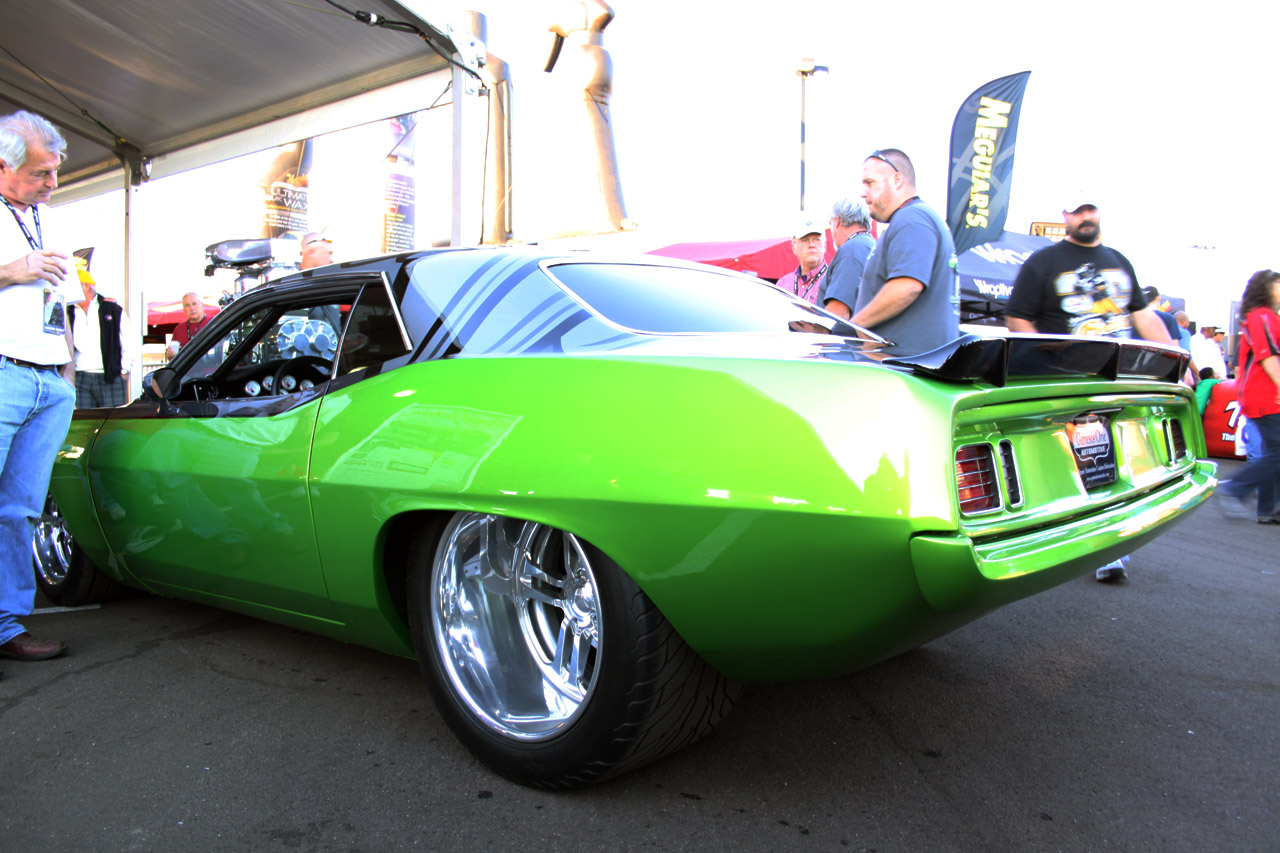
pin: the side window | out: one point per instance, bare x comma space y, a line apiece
218, 352
310, 331
274, 351
373, 332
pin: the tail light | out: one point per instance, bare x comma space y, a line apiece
976, 479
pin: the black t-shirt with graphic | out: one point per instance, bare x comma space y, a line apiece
1069, 289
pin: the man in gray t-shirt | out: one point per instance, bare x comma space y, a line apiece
909, 289
851, 232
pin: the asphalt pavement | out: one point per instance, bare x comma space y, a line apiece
1093, 717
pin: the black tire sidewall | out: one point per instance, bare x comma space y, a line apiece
598, 742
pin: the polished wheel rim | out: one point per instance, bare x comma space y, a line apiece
51, 545
516, 618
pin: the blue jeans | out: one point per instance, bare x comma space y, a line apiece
1262, 472
35, 411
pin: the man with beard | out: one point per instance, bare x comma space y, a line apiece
1081, 287
909, 288
809, 242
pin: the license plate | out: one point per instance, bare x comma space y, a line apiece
1092, 445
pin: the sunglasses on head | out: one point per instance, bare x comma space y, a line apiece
879, 155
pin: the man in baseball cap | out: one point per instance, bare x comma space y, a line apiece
809, 242
1080, 287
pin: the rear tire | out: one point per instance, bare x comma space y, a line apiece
63, 573
546, 659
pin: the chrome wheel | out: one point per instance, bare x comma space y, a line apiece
51, 546
517, 622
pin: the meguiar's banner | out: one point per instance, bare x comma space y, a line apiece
982, 142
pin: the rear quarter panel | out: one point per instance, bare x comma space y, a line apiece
765, 506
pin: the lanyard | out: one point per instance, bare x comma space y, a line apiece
808, 280
36, 242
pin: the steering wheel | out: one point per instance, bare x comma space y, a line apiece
321, 366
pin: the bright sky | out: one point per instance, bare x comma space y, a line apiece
1158, 114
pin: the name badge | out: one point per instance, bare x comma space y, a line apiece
55, 312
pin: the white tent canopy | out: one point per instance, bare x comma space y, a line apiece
131, 81
148, 88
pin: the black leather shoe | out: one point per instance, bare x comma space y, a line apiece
26, 647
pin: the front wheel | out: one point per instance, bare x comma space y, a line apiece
64, 574
546, 659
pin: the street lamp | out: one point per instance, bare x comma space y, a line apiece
806, 70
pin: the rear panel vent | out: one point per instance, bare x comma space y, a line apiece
1012, 485
1175, 442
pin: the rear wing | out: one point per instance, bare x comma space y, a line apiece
972, 358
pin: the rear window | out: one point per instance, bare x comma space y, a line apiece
671, 300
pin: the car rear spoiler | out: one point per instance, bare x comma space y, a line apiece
973, 358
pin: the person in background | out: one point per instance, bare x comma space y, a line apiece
1258, 384
1170, 323
1206, 354
909, 292
317, 251
197, 319
105, 348
809, 242
1220, 338
851, 232
1184, 331
1204, 387
35, 347
1081, 287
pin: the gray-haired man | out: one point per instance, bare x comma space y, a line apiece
851, 232
36, 396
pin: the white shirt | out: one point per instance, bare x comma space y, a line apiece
22, 306
87, 337
1205, 352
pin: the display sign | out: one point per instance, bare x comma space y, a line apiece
983, 137
1094, 450
1223, 422
1055, 231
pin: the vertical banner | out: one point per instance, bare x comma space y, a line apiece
981, 175
399, 194
285, 191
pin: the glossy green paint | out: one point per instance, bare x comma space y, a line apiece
768, 508
215, 509
70, 486
1015, 567
792, 519
699, 477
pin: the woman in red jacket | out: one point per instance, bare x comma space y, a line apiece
1258, 378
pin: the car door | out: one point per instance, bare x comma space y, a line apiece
204, 495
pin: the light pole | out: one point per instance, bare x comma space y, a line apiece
806, 70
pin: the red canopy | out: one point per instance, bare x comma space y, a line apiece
171, 313
770, 258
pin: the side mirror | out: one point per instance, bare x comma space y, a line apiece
164, 383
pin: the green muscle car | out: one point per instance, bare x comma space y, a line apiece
593, 496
